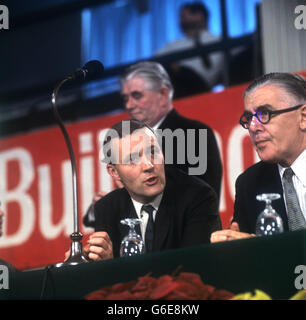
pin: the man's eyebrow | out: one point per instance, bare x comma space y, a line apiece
136, 92
267, 106
131, 155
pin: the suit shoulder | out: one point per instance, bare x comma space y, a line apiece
256, 170
190, 193
112, 198
178, 121
193, 124
186, 183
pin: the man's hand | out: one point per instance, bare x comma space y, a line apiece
232, 233
99, 247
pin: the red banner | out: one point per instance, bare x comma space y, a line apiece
36, 184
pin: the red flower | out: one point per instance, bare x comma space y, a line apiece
185, 286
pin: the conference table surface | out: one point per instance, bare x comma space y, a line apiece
266, 263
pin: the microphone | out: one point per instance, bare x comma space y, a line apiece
91, 70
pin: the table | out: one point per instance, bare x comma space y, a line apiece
265, 263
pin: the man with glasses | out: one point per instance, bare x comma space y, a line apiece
275, 116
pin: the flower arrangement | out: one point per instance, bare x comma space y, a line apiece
184, 286
260, 295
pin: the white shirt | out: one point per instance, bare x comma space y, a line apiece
298, 179
155, 127
143, 215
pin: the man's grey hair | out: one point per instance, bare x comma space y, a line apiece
293, 84
153, 73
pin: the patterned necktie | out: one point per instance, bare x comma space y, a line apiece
150, 228
296, 219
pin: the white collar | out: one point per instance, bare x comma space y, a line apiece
155, 204
155, 127
298, 167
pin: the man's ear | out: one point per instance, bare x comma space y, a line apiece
164, 92
303, 118
112, 171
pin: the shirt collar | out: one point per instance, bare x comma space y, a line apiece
298, 167
158, 123
155, 204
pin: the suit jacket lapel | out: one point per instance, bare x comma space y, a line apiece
168, 121
162, 223
127, 211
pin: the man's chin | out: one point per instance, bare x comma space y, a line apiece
153, 192
137, 116
265, 157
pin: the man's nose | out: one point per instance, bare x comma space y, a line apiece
147, 164
129, 104
255, 124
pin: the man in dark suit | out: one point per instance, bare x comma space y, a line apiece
184, 210
275, 115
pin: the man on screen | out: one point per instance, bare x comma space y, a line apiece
275, 116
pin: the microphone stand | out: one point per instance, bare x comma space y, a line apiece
76, 252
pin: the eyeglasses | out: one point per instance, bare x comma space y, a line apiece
263, 114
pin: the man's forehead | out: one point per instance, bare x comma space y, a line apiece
188, 12
144, 135
134, 84
268, 95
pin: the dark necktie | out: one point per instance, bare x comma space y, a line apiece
150, 228
296, 219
